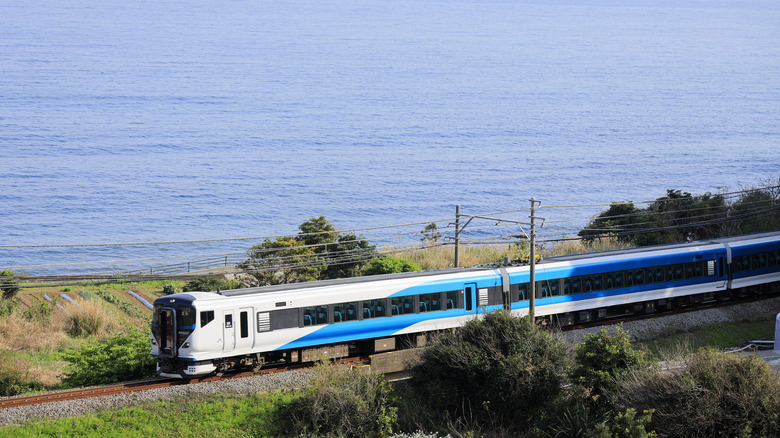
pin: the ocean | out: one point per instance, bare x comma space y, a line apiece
188, 121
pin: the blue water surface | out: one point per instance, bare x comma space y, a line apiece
189, 120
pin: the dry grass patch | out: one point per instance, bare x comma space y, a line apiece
568, 247
444, 257
87, 318
24, 335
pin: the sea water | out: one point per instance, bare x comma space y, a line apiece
150, 121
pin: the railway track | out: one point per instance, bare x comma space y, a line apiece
143, 385
168, 382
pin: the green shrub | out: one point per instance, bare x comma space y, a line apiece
602, 356
8, 285
712, 395
498, 372
390, 265
7, 307
124, 305
208, 284
341, 401
119, 358
626, 425
14, 381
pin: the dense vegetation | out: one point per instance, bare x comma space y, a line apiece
680, 217
498, 377
318, 252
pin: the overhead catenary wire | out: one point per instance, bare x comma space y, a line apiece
752, 209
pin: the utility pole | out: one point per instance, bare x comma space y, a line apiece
457, 235
531, 303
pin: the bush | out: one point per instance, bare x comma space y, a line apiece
119, 358
8, 285
14, 381
39, 311
714, 395
209, 284
341, 401
498, 372
601, 357
86, 319
390, 265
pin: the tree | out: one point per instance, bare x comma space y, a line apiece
619, 217
431, 233
390, 265
205, 284
318, 252
676, 217
281, 261
8, 284
501, 371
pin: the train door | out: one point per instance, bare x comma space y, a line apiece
245, 338
229, 331
470, 298
167, 332
718, 268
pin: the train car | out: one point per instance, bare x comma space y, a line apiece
201, 333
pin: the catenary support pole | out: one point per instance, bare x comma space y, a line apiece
532, 301
457, 235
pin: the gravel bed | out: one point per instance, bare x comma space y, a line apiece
244, 386
638, 330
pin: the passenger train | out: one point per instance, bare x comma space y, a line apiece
200, 333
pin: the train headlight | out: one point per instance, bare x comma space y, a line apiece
186, 345
154, 341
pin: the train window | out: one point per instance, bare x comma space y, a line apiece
568, 286
206, 317
659, 274
593, 282
523, 291
374, 309
744, 263
315, 315
345, 312
555, 287
243, 322
186, 317
430, 302
614, 279
543, 289
774, 258
402, 305
451, 299
637, 277
282, 319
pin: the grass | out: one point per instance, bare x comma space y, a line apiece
213, 416
36, 332
444, 257
721, 336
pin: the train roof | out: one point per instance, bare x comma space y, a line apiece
417, 274
693, 244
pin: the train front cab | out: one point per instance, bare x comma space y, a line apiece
173, 323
